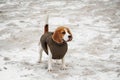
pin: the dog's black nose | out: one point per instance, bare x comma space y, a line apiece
69, 36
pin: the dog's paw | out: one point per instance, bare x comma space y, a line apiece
39, 61
49, 70
63, 68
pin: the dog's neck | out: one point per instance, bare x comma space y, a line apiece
59, 43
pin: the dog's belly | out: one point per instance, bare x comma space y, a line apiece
58, 50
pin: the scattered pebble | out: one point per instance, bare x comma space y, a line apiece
6, 58
5, 68
0, 69
1, 12
23, 48
118, 75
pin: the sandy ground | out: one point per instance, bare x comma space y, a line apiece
94, 53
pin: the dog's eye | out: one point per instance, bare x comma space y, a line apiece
63, 32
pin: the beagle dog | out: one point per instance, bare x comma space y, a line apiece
54, 44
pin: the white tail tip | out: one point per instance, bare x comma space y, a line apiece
47, 19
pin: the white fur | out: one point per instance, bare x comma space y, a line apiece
63, 64
40, 52
49, 60
66, 35
47, 18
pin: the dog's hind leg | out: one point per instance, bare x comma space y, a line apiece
49, 60
40, 53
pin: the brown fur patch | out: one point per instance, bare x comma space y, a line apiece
46, 28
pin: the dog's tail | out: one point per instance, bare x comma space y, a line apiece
46, 27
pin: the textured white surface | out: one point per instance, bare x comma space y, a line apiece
93, 54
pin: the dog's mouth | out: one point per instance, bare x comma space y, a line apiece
69, 38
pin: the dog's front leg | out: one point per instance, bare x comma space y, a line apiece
49, 60
63, 64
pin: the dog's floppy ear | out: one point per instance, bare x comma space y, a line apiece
57, 37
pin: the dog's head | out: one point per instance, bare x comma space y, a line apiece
62, 34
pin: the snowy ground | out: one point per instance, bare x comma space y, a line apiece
94, 53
